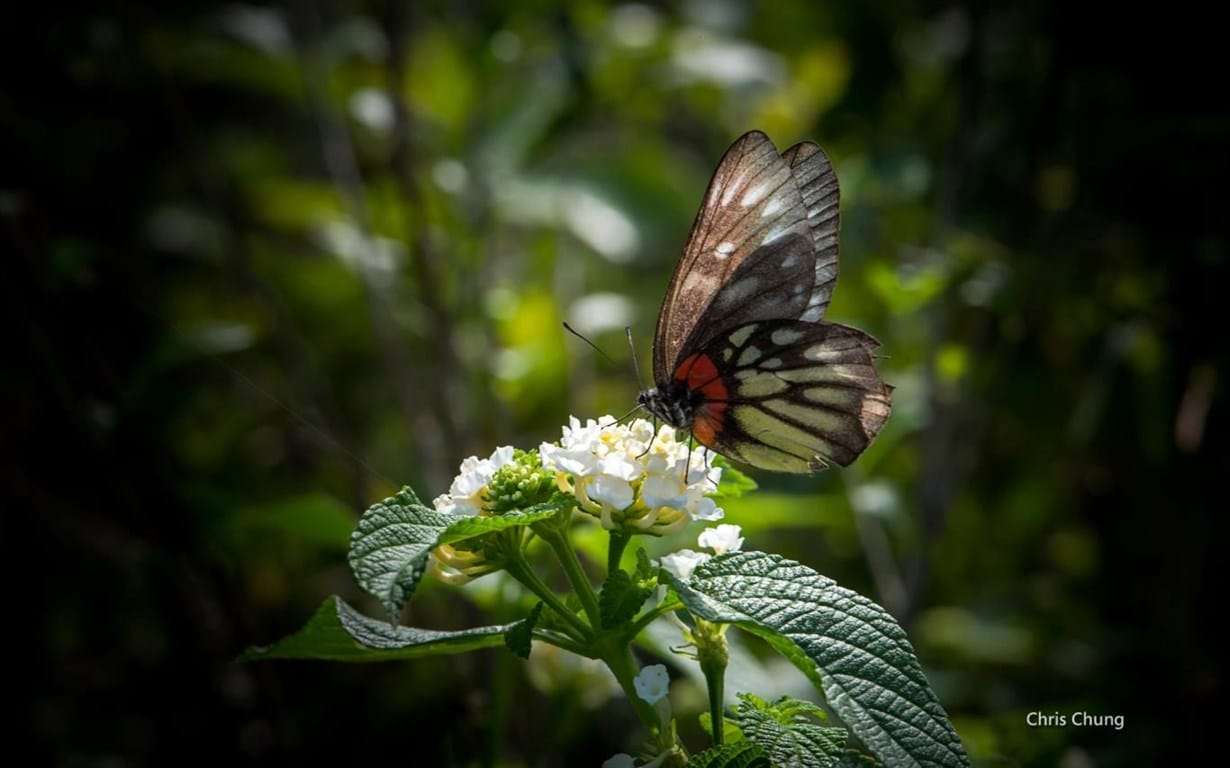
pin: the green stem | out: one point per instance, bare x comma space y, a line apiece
560, 640
615, 549
558, 541
648, 617
715, 679
520, 570
623, 665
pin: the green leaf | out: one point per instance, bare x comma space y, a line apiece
646, 571
389, 549
733, 483
850, 648
519, 635
469, 527
620, 599
337, 632
790, 739
730, 729
740, 754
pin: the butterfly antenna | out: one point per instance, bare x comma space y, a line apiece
592, 345
636, 366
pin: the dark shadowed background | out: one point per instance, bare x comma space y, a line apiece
264, 264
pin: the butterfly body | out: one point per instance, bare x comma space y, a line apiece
742, 358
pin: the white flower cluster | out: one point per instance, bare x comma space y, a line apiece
628, 476
722, 539
465, 495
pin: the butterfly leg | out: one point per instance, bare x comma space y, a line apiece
707, 478
649, 447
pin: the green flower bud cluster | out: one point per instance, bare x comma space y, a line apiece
521, 484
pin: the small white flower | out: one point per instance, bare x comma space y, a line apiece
620, 761
704, 508
629, 476
653, 683
465, 495
681, 564
612, 492
722, 539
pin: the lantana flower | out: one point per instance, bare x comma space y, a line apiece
469, 495
721, 539
628, 476
466, 495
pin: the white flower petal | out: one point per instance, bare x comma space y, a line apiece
611, 491
722, 539
653, 683
681, 564
620, 466
664, 491
704, 508
501, 456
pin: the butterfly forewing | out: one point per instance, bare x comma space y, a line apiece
817, 182
752, 201
788, 395
741, 354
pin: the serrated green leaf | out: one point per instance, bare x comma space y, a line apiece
850, 648
733, 483
620, 599
519, 636
469, 527
730, 729
337, 632
794, 743
389, 548
740, 754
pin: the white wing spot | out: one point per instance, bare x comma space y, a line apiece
740, 336
772, 362
771, 208
790, 261
727, 354
738, 290
774, 234
724, 249
749, 356
754, 194
786, 336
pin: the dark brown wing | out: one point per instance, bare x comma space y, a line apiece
822, 198
788, 395
753, 201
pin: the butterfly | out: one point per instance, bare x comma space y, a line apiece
741, 356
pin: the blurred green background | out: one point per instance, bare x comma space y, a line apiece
264, 264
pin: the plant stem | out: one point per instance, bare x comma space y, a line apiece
648, 618
623, 665
715, 680
560, 640
558, 541
615, 549
520, 570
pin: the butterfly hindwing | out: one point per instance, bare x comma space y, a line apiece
753, 201
788, 395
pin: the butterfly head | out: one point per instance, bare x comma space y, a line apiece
673, 403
